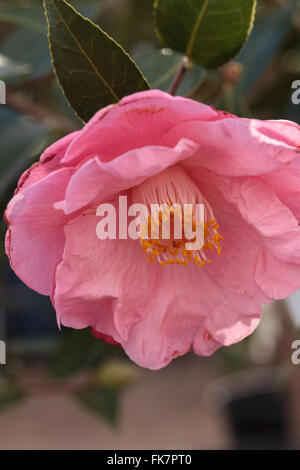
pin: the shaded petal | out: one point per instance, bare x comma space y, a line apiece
171, 324
257, 260
93, 275
196, 313
235, 267
106, 338
285, 184
260, 207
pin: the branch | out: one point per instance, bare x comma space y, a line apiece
185, 65
40, 113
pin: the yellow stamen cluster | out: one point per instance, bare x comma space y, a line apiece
174, 251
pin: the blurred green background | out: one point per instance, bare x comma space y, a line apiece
42, 362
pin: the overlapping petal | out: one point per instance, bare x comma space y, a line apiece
110, 268
35, 239
284, 182
49, 162
98, 181
138, 121
156, 316
239, 147
247, 170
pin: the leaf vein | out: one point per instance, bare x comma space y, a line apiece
85, 54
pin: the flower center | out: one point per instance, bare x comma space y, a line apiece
182, 227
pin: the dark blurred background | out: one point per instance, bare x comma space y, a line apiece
64, 389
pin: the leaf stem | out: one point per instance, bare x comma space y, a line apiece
178, 77
17, 102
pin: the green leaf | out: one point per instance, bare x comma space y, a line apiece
208, 32
93, 70
29, 44
102, 401
78, 351
159, 67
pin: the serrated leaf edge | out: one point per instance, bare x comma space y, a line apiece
97, 72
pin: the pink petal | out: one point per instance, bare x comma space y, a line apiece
276, 224
260, 246
155, 315
48, 163
285, 184
35, 237
191, 312
109, 268
106, 338
234, 319
95, 181
278, 279
238, 147
174, 317
58, 149
32, 175
139, 120
235, 267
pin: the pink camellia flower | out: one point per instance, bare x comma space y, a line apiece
159, 302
